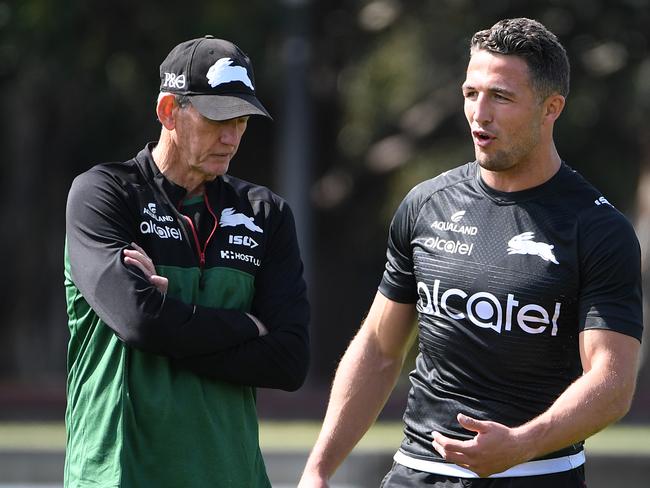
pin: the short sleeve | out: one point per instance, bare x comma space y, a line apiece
398, 281
610, 296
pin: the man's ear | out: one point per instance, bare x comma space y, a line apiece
165, 110
553, 107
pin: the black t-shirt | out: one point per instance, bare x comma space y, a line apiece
504, 283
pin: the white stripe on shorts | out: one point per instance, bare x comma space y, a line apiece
531, 468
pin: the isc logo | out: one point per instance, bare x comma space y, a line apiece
242, 241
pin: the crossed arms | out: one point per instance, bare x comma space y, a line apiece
217, 343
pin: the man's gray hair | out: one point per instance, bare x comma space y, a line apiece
183, 101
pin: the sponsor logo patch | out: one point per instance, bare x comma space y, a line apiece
457, 216
484, 310
172, 80
602, 201
238, 256
162, 231
242, 241
158, 224
454, 225
449, 246
151, 211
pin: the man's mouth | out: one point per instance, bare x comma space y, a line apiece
482, 138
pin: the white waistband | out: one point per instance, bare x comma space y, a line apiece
531, 468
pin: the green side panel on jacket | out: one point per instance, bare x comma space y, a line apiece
134, 421
96, 366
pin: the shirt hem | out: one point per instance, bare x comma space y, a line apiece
530, 468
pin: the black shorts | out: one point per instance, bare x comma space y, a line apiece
402, 477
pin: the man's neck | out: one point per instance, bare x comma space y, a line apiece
524, 175
168, 161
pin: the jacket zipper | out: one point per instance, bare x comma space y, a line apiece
199, 250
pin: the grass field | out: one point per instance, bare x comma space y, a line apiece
621, 440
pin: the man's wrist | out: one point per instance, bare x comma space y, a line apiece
530, 438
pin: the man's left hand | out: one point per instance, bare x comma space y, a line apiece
138, 257
494, 449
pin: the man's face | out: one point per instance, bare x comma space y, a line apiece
206, 146
503, 110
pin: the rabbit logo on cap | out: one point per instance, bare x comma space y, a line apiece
224, 72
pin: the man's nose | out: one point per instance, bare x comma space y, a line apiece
228, 133
482, 109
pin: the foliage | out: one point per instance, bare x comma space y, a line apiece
79, 80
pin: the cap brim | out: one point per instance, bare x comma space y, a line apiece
225, 107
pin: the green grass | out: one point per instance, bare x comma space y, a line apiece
620, 440
300, 436
17, 436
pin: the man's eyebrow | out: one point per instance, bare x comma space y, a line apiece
501, 91
492, 89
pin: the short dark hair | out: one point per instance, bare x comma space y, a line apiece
546, 58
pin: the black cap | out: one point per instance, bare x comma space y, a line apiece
216, 74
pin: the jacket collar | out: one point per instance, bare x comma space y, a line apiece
174, 192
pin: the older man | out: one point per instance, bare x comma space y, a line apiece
185, 292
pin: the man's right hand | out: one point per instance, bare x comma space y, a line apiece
137, 257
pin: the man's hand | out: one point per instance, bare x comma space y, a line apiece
309, 480
137, 257
494, 449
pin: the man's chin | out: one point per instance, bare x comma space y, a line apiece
215, 171
493, 162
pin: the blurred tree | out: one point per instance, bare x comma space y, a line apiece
79, 83
79, 80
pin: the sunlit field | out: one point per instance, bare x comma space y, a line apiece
300, 436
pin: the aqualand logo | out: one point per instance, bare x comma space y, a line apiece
453, 226
456, 217
223, 71
151, 211
602, 201
156, 224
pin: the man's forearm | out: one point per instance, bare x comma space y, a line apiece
277, 360
98, 230
364, 379
598, 398
361, 387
